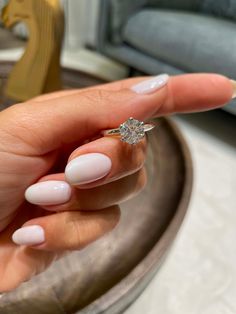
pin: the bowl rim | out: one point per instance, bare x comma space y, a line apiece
148, 266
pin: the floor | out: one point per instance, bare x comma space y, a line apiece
199, 274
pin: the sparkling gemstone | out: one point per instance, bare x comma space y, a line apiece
132, 131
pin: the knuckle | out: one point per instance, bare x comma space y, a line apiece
20, 127
80, 229
131, 157
144, 145
139, 154
111, 217
97, 96
74, 239
115, 215
142, 180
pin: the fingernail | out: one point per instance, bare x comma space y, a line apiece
30, 235
48, 193
151, 85
234, 88
87, 168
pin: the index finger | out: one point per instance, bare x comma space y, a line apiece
82, 115
199, 80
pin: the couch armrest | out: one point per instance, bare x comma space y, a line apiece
121, 10
113, 15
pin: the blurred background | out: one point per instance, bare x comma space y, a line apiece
109, 40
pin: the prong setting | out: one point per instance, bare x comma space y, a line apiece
132, 131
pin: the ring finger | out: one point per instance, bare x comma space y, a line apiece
95, 198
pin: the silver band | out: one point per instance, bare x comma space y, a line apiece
116, 132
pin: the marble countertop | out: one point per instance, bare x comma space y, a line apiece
199, 274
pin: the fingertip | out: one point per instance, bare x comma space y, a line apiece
29, 235
198, 92
88, 168
222, 87
47, 193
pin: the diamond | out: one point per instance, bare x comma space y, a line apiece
132, 131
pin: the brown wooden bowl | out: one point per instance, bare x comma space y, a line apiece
109, 274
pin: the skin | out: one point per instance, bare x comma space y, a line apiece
39, 137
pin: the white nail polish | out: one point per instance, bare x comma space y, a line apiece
87, 168
29, 235
48, 193
234, 88
151, 85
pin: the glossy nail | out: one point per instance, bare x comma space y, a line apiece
88, 168
151, 85
29, 235
48, 193
234, 88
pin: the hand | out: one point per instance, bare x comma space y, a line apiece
66, 210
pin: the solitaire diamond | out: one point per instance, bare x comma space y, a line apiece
132, 131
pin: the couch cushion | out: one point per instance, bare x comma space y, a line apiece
192, 42
121, 10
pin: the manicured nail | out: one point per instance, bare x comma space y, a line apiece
48, 193
234, 88
151, 85
87, 168
29, 235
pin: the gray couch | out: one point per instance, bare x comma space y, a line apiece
170, 36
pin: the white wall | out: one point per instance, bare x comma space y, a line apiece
81, 19
81, 22
93, 7
2, 3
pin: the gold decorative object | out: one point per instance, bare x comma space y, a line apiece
38, 71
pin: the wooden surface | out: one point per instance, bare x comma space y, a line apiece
109, 274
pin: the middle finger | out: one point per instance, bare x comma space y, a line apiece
104, 160
102, 196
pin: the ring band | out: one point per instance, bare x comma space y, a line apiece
131, 131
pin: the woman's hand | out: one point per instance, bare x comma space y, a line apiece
68, 209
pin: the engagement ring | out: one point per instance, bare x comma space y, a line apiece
131, 131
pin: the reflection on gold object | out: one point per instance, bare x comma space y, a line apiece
38, 71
